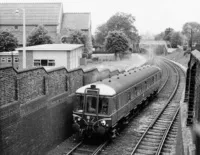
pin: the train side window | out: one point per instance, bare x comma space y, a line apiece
129, 96
135, 91
103, 106
145, 85
132, 93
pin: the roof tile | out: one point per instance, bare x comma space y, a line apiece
36, 13
76, 20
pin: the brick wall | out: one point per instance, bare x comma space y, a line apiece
36, 106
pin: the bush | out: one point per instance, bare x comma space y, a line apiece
84, 55
95, 59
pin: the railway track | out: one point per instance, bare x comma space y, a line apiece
160, 135
86, 149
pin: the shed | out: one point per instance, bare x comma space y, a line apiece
52, 55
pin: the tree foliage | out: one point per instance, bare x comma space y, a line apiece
189, 27
101, 33
118, 22
159, 36
168, 34
192, 32
116, 42
7, 41
74, 37
38, 36
176, 39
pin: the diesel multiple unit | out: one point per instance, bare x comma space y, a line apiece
102, 105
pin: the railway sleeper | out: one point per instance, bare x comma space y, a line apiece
147, 152
159, 128
166, 150
171, 136
152, 140
155, 130
161, 125
173, 132
155, 133
153, 136
170, 141
168, 145
148, 147
163, 121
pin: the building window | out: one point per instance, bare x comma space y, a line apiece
16, 27
3, 59
9, 59
44, 62
51, 62
37, 63
16, 60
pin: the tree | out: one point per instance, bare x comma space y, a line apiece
38, 36
189, 28
159, 36
168, 34
118, 22
116, 42
101, 33
123, 22
74, 37
176, 39
7, 41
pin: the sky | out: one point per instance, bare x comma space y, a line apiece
152, 16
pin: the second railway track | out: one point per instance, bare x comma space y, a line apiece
160, 135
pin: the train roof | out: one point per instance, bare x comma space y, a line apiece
118, 83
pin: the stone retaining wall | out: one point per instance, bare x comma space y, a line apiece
36, 106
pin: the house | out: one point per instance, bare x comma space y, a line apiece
78, 21
52, 55
47, 14
8, 59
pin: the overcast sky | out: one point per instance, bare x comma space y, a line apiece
152, 16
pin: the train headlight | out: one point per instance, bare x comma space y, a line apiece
88, 117
103, 122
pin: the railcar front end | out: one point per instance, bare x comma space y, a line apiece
91, 113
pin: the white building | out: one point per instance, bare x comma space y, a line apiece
52, 55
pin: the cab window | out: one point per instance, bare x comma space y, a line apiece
103, 106
79, 103
91, 102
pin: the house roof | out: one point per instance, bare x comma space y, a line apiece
9, 53
55, 47
196, 54
36, 13
76, 20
